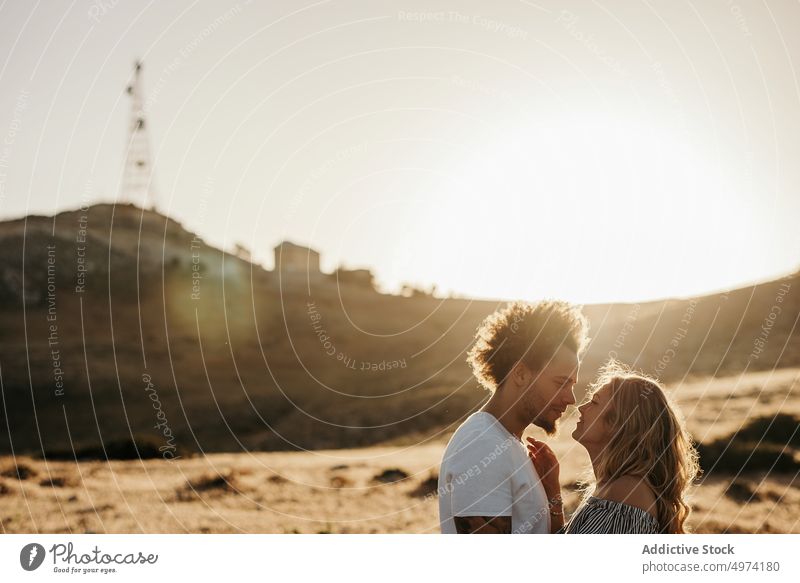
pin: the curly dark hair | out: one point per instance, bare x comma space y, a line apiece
530, 332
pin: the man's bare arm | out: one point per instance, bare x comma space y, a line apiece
483, 524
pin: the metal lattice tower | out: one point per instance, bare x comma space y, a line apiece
137, 176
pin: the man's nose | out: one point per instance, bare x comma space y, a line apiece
570, 397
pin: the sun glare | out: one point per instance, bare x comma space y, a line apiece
590, 208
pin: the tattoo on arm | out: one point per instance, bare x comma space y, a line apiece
483, 524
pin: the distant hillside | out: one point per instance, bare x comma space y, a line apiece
107, 336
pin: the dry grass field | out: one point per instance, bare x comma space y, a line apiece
378, 489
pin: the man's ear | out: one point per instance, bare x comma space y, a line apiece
520, 373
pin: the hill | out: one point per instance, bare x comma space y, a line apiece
118, 327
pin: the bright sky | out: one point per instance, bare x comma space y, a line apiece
613, 151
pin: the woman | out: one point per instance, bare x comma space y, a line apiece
642, 457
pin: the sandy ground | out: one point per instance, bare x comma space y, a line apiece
370, 490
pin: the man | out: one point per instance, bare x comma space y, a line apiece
527, 356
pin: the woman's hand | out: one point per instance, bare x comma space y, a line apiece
546, 464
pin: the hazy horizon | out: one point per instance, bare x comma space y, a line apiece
439, 294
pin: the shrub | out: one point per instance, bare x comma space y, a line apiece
391, 475
427, 487
225, 483
140, 447
764, 444
19, 471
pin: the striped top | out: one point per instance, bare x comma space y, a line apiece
601, 516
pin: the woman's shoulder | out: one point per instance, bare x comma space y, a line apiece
615, 508
631, 490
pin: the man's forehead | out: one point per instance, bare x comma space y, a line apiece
565, 361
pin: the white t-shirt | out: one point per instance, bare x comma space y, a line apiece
486, 471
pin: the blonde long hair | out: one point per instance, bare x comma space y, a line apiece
648, 440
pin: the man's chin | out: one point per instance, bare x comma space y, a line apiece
548, 426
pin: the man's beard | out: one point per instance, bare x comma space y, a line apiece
549, 427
